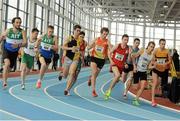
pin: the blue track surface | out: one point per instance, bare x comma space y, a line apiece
50, 103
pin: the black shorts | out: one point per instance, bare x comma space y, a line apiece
12, 56
47, 60
127, 70
99, 62
139, 76
161, 74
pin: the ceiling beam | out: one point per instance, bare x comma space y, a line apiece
113, 7
154, 9
172, 5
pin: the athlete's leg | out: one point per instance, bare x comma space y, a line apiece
6, 69
94, 74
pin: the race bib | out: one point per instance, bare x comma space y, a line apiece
144, 65
119, 57
46, 47
99, 49
31, 47
161, 61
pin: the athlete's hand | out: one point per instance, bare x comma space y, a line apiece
15, 45
112, 63
126, 66
36, 49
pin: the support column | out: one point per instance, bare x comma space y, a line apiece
31, 15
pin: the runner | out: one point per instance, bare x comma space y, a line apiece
14, 39
28, 56
81, 38
131, 66
71, 48
100, 48
118, 57
162, 60
48, 43
144, 63
83, 46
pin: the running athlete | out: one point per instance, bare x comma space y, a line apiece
14, 39
83, 46
162, 60
118, 57
144, 63
99, 53
81, 38
131, 70
71, 49
28, 55
48, 43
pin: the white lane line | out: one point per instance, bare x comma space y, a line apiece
142, 99
110, 107
14, 115
11, 92
45, 91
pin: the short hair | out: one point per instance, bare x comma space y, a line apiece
50, 27
35, 30
162, 40
104, 29
136, 39
150, 42
76, 26
82, 33
14, 19
125, 35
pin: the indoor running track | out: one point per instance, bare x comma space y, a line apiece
49, 102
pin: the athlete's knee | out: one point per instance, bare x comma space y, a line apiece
43, 64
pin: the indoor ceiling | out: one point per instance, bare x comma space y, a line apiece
153, 11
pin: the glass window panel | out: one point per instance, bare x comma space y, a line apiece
23, 5
169, 33
39, 9
120, 30
178, 34
113, 28
23, 17
130, 29
113, 39
159, 33
104, 23
178, 46
139, 31
56, 20
38, 24
11, 14
169, 44
13, 3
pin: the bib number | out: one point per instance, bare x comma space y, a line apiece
119, 57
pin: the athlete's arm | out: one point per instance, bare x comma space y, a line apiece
55, 46
169, 59
3, 35
36, 47
92, 44
113, 48
24, 39
135, 55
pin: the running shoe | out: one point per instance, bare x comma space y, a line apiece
89, 81
94, 94
38, 84
60, 77
107, 94
23, 86
136, 102
4, 86
153, 104
66, 92
125, 96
